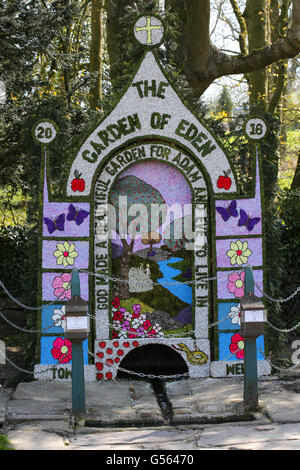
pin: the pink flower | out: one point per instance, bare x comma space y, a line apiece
136, 310
126, 325
236, 284
237, 346
62, 350
62, 286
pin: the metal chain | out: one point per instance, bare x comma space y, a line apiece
24, 329
283, 330
24, 370
180, 335
115, 279
125, 281
153, 376
16, 301
276, 367
278, 300
141, 374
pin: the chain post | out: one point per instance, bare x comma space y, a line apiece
250, 360
78, 389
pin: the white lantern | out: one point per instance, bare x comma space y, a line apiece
76, 319
253, 316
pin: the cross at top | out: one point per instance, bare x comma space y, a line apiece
153, 25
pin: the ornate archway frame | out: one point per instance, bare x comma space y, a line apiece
102, 257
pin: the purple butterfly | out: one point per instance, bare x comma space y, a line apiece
76, 214
56, 224
247, 221
229, 211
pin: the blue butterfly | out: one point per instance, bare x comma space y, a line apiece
56, 224
229, 211
247, 221
78, 215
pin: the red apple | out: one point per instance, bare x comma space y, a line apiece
224, 182
78, 183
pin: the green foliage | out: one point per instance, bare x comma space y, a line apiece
159, 298
225, 102
289, 210
4, 443
18, 272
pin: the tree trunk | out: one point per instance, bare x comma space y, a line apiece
96, 52
123, 287
296, 179
256, 15
115, 46
194, 50
178, 8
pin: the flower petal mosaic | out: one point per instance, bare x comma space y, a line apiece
153, 220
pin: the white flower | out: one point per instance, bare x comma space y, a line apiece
123, 334
58, 315
128, 316
135, 323
234, 314
116, 324
156, 327
160, 333
158, 330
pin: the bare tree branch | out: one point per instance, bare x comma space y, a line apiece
220, 64
243, 27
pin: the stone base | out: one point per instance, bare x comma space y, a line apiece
110, 353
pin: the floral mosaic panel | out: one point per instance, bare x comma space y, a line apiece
133, 322
239, 217
231, 310
231, 284
61, 219
52, 321
65, 254
57, 286
232, 347
58, 350
239, 253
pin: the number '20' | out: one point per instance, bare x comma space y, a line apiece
44, 133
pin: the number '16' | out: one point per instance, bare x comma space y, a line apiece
256, 129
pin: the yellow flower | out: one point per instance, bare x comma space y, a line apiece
65, 254
239, 253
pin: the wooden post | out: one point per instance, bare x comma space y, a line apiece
250, 360
78, 390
